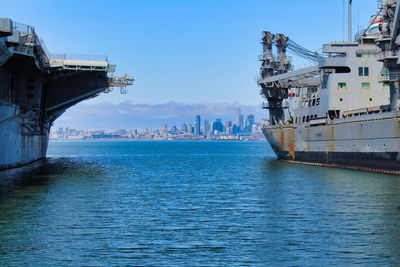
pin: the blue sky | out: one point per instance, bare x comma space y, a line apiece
185, 51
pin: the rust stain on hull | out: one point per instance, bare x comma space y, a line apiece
291, 143
282, 139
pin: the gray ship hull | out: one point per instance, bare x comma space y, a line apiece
17, 147
370, 144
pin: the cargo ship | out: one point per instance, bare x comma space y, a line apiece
343, 111
36, 88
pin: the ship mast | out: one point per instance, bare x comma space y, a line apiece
389, 43
350, 21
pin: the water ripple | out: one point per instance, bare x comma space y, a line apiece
193, 203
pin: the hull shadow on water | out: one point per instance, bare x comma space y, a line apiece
41, 173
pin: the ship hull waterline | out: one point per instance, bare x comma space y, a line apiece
367, 145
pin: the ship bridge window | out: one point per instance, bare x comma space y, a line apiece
366, 54
363, 71
342, 54
342, 85
368, 40
342, 70
311, 91
324, 81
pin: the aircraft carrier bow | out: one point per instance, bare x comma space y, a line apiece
36, 87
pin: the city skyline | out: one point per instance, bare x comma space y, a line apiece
129, 115
244, 126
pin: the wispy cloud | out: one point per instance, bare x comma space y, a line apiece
129, 115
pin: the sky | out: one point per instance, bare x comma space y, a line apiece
184, 51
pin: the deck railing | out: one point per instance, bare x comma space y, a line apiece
23, 28
390, 76
65, 56
387, 54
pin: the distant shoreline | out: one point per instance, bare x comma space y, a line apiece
144, 140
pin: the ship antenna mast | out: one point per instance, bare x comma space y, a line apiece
343, 21
350, 20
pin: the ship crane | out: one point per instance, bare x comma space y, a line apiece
302, 52
274, 71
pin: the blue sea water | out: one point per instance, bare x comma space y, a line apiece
193, 203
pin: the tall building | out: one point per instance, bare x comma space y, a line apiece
249, 123
184, 127
206, 128
250, 119
241, 122
238, 116
198, 126
217, 126
229, 127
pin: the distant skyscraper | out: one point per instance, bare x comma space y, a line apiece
184, 127
250, 119
248, 123
198, 126
206, 127
229, 127
241, 121
239, 117
217, 126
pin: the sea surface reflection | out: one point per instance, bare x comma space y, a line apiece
193, 203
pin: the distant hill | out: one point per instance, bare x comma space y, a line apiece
130, 115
